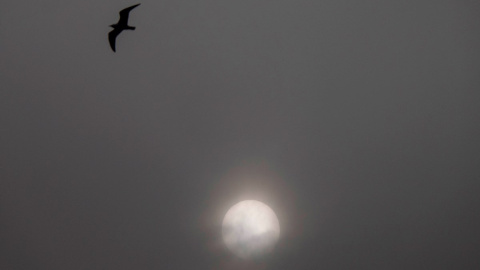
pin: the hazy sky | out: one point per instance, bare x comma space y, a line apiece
357, 122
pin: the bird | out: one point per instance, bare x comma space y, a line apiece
121, 25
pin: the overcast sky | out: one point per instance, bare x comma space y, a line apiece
357, 122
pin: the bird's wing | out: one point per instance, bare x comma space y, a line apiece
112, 36
124, 14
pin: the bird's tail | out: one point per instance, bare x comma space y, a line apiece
131, 27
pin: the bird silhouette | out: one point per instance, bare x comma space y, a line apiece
121, 25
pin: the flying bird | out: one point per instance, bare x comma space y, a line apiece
121, 25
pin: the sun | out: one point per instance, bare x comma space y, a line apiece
250, 229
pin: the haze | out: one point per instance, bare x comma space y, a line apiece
356, 121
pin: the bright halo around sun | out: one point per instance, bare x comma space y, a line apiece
250, 229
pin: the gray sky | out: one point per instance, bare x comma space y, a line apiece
356, 121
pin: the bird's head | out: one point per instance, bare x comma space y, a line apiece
113, 25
